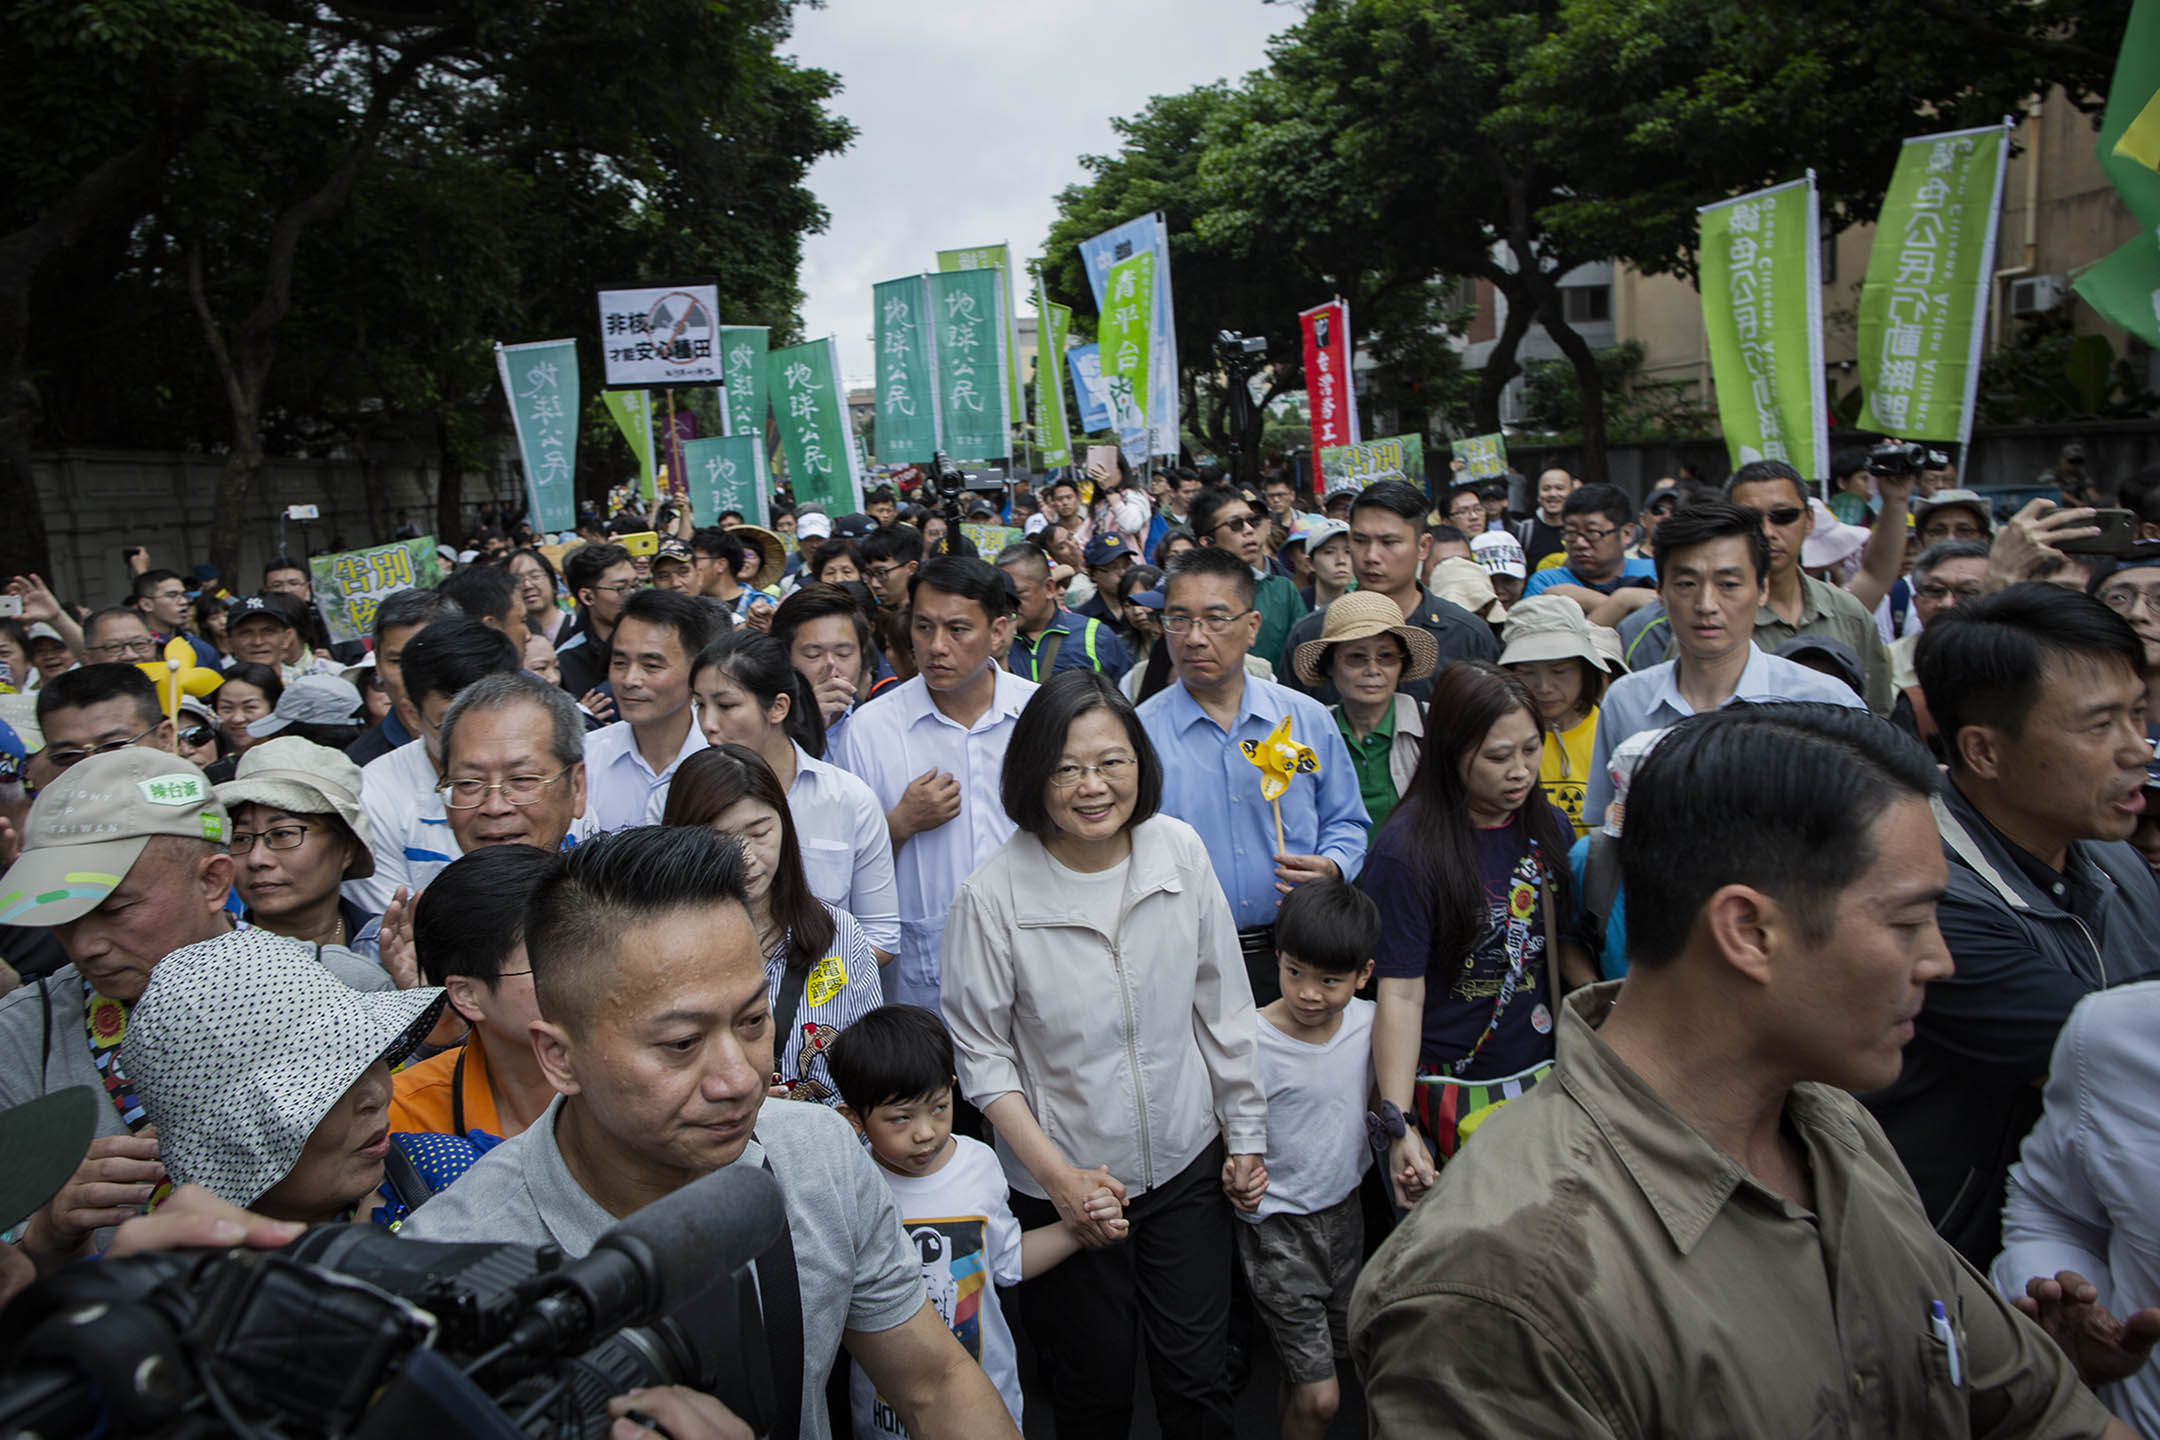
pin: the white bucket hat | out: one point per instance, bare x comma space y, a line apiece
303, 778
242, 1044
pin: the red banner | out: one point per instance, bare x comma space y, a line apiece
1330, 394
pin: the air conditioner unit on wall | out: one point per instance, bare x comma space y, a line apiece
2036, 294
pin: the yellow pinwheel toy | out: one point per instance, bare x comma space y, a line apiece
1279, 758
178, 674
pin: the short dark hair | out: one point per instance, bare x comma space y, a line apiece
485, 592
1328, 925
1944, 551
149, 580
285, 562
263, 677
1778, 797
969, 578
1397, 497
728, 549
412, 606
472, 914
88, 685
1447, 535
760, 665
1062, 482
703, 788
819, 601
837, 548
1201, 513
892, 1055
1702, 521
451, 654
583, 567
1763, 472
1598, 498
689, 617
1981, 664
592, 894
1038, 739
1204, 561
898, 543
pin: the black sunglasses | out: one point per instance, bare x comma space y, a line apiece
1783, 515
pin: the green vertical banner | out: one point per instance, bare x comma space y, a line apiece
742, 360
1052, 324
998, 258
811, 406
1761, 278
907, 411
541, 382
969, 320
1923, 306
1122, 341
725, 472
632, 410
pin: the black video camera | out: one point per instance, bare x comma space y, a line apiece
1240, 352
352, 1332
1897, 461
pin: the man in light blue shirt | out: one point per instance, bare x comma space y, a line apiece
1197, 724
933, 752
1595, 524
1713, 564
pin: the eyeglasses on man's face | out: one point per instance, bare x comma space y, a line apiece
76, 754
1215, 622
518, 790
135, 647
1238, 524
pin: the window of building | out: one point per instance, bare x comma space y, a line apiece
1586, 304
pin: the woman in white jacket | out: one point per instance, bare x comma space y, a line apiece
1101, 1017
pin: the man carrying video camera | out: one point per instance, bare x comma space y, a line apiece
657, 1030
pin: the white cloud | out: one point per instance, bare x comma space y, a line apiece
973, 114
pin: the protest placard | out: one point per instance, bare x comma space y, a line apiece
989, 539
1483, 457
351, 585
1353, 467
661, 335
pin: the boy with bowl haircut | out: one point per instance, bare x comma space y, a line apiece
1303, 1245
894, 1070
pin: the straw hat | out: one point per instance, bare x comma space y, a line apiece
1358, 616
1549, 627
1469, 584
772, 554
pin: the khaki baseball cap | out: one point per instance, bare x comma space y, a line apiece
88, 828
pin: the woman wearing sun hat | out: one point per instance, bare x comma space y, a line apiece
297, 835
1365, 651
1554, 651
267, 1077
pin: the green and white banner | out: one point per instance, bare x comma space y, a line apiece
999, 258
811, 406
742, 350
969, 315
1761, 277
1484, 457
541, 382
1353, 467
1053, 323
907, 409
351, 585
632, 410
1123, 339
725, 472
1923, 306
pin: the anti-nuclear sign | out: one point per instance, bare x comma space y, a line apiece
661, 335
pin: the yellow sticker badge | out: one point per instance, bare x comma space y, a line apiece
828, 980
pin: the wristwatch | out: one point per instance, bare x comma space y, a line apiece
1386, 1127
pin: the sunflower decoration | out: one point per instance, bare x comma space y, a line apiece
177, 674
1280, 758
107, 1021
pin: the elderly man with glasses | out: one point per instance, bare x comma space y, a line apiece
513, 751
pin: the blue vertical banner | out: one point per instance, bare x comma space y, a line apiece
1084, 364
725, 472
540, 380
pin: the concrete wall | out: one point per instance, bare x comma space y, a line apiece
98, 502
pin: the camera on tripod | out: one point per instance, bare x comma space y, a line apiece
1237, 353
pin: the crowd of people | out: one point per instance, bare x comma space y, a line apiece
1633, 966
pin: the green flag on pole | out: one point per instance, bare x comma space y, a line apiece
1052, 324
907, 412
725, 472
742, 356
1761, 278
999, 258
1923, 306
2125, 287
2129, 145
632, 410
968, 315
541, 382
1122, 340
804, 383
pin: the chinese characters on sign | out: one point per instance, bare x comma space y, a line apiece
745, 362
1484, 457
661, 335
1353, 467
803, 381
1330, 391
1122, 341
999, 258
907, 411
1145, 234
541, 382
1762, 310
351, 586
725, 472
1923, 306
967, 318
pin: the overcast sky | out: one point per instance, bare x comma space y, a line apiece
973, 114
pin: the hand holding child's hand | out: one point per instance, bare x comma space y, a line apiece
1105, 1208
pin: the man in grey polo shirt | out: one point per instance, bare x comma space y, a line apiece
124, 856
657, 1030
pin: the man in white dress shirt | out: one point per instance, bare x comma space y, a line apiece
933, 751
628, 764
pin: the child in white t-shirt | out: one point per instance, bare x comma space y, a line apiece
1302, 1247
894, 1070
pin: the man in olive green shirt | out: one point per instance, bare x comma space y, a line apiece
1690, 1227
